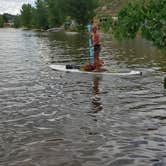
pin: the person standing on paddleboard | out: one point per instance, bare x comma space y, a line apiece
97, 64
96, 48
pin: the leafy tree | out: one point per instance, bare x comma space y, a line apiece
146, 17
82, 11
41, 14
106, 23
26, 15
17, 21
5, 18
129, 21
154, 25
56, 12
34, 21
52, 13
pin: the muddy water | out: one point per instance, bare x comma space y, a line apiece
50, 118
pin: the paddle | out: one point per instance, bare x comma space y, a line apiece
91, 58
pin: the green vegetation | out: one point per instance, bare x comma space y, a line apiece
148, 17
106, 23
144, 17
82, 11
40, 15
154, 25
8, 17
50, 13
17, 21
129, 21
26, 15
1, 21
56, 12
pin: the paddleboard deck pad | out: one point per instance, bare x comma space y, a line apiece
75, 69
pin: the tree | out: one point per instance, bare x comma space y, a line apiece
106, 23
41, 14
26, 15
5, 18
129, 21
154, 25
56, 12
82, 11
146, 17
52, 13
17, 21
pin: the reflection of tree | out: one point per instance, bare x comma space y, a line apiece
96, 100
67, 48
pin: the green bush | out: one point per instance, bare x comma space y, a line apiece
154, 26
106, 23
129, 21
147, 17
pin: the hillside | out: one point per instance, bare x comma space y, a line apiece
112, 6
7, 17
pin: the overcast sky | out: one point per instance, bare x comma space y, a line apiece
13, 6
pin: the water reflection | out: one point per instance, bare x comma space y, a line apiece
136, 53
96, 99
67, 48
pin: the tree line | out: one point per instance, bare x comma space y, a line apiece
144, 17
53, 13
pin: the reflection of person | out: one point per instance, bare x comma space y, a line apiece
96, 100
96, 81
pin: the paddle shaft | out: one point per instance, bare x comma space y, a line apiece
91, 58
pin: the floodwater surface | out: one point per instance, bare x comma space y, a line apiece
50, 118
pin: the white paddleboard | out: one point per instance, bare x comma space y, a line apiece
111, 71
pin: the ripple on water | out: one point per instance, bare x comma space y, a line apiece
51, 118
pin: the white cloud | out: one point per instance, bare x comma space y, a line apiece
13, 6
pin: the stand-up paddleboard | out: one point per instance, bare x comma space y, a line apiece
76, 69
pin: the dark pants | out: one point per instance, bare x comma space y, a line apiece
97, 49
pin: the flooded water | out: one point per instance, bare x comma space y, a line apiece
50, 118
